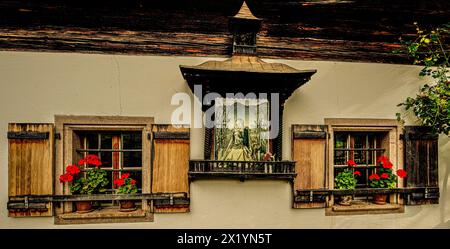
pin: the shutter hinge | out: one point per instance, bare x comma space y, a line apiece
171, 200
311, 196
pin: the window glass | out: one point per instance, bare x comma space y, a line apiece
241, 132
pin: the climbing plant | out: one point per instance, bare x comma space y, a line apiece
429, 49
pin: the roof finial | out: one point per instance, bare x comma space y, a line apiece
245, 12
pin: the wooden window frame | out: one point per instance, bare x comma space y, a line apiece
394, 152
66, 126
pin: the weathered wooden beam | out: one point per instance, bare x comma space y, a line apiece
361, 30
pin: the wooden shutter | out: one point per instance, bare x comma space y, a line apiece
170, 166
421, 164
30, 168
309, 143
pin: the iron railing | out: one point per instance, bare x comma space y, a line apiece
242, 169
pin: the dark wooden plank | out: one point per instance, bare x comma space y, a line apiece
433, 173
171, 135
360, 30
28, 135
309, 134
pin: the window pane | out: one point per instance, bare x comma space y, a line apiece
132, 159
359, 157
358, 141
132, 140
240, 124
362, 180
106, 158
339, 157
106, 141
109, 176
340, 140
92, 140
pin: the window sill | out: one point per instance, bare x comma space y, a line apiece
104, 215
359, 208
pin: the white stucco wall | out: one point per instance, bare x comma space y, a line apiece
36, 86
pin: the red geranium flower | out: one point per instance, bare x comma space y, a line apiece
374, 176
401, 173
385, 175
357, 173
133, 182
72, 170
125, 175
387, 165
382, 159
351, 163
66, 178
90, 159
119, 182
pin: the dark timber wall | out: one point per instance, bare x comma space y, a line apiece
343, 30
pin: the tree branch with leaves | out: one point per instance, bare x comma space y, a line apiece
431, 105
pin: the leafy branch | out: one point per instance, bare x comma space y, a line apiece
431, 105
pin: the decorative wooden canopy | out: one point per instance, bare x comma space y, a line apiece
244, 72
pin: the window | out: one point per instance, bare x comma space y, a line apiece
241, 125
363, 141
120, 152
120, 142
362, 147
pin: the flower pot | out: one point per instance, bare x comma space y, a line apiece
345, 200
127, 206
84, 206
380, 199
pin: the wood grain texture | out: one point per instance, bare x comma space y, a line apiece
360, 30
170, 165
421, 161
30, 167
309, 155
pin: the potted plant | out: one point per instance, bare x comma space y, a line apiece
93, 181
126, 185
385, 178
347, 180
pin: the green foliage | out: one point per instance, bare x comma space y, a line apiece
94, 182
431, 105
345, 180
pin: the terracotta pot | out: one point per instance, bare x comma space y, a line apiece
84, 206
380, 199
346, 200
127, 206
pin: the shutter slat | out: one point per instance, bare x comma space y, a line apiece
309, 145
421, 164
30, 165
170, 165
